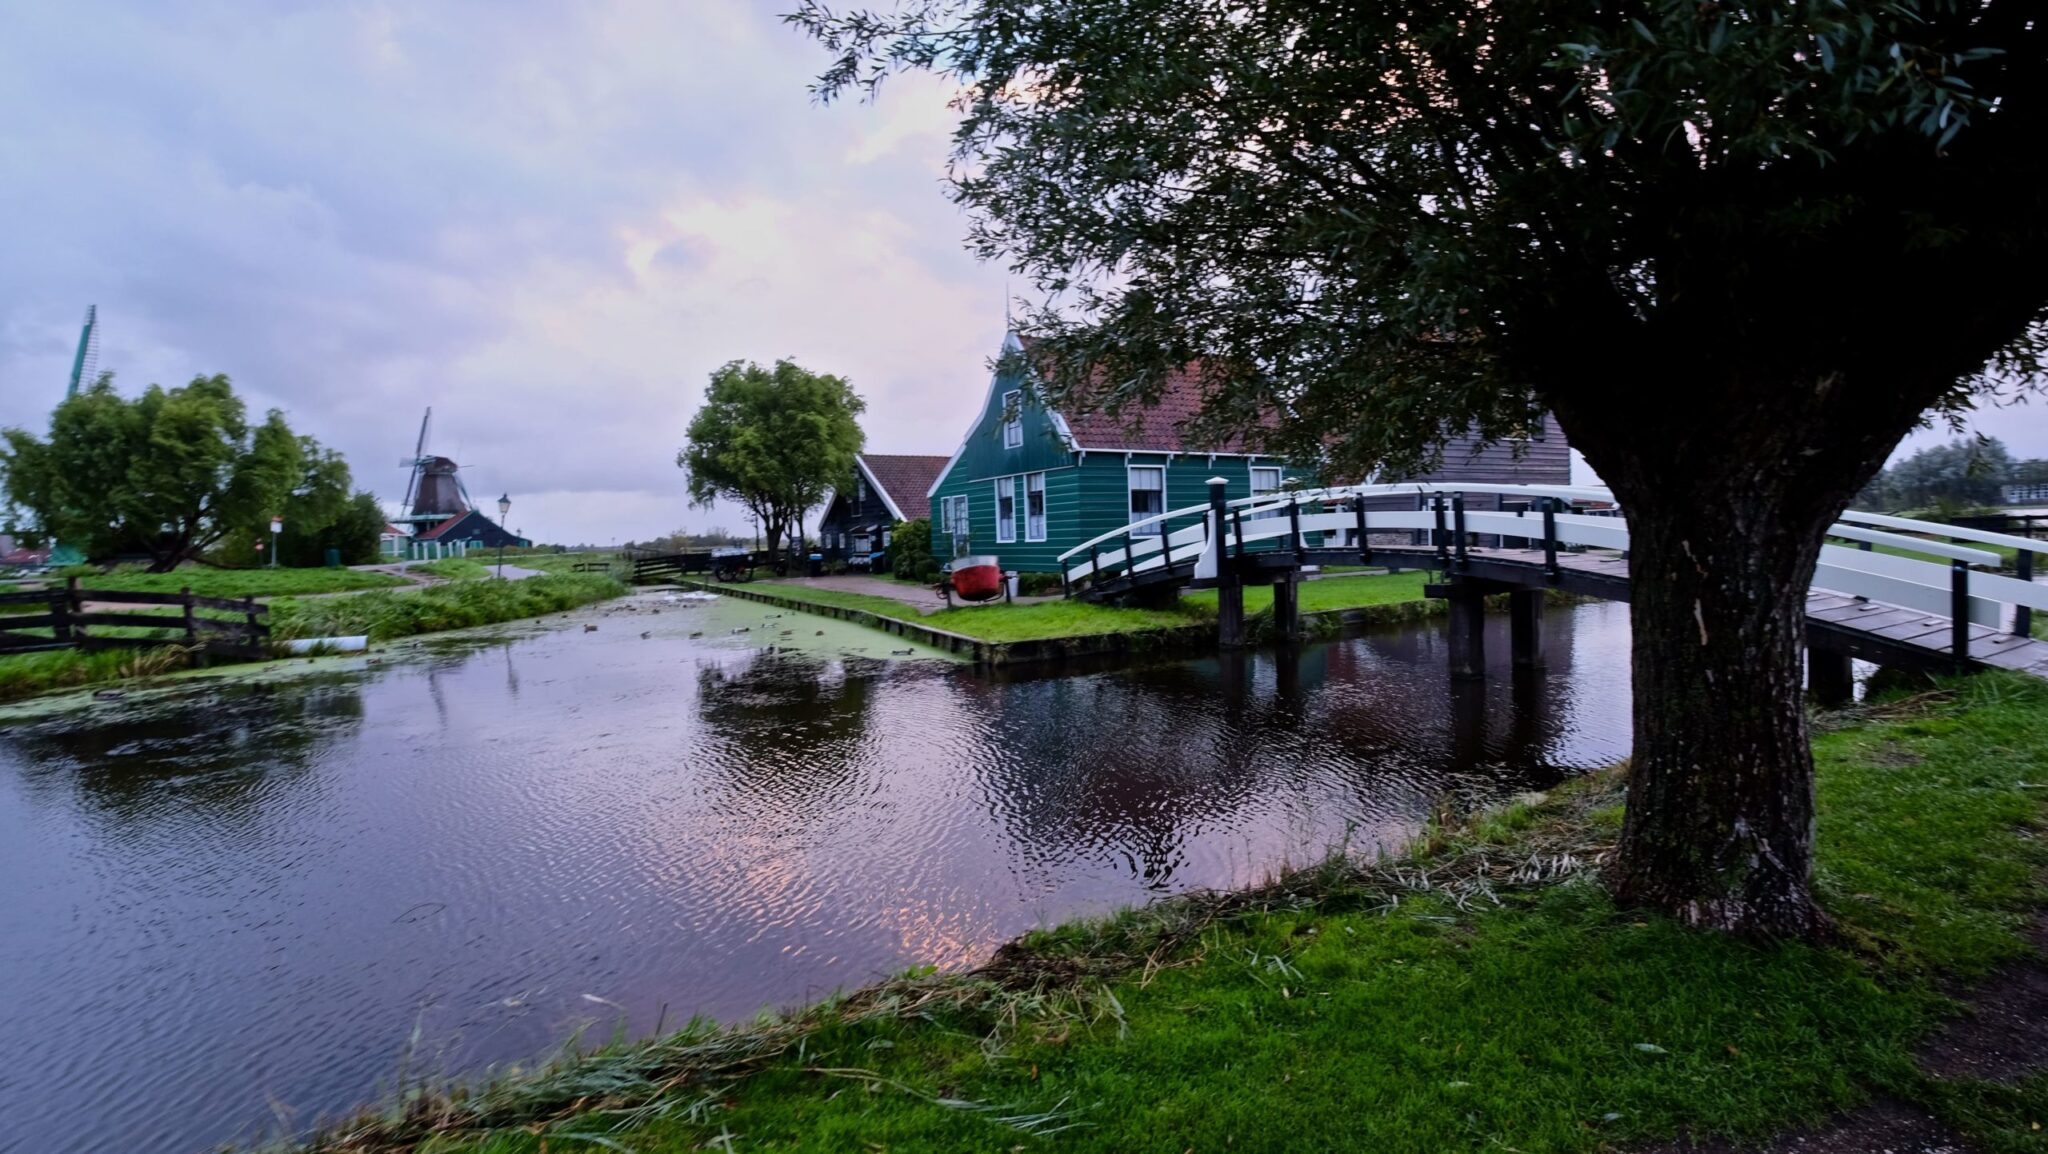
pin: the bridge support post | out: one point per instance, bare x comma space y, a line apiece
1525, 628
1468, 633
1287, 605
1229, 583
1830, 678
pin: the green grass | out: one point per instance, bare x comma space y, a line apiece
242, 582
1429, 1005
27, 674
1063, 618
452, 569
386, 615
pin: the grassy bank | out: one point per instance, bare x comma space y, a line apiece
1062, 618
382, 615
242, 582
1479, 993
386, 616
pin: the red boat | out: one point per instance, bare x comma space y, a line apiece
976, 578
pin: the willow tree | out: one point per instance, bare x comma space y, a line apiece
773, 441
1739, 247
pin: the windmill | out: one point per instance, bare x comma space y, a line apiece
435, 491
87, 359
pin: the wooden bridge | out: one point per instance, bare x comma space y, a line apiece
1930, 599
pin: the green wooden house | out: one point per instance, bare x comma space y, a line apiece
1029, 483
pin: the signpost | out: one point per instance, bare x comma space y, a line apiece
504, 510
276, 527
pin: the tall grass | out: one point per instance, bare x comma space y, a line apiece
384, 616
241, 582
26, 674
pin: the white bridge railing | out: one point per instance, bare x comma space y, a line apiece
1943, 578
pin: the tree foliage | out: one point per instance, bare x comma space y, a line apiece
170, 473
1738, 247
773, 441
1966, 472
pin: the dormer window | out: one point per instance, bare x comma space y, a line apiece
1013, 419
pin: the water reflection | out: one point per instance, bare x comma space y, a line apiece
257, 896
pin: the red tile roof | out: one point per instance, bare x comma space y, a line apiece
440, 527
1161, 426
906, 479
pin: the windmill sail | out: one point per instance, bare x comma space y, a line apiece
434, 492
87, 360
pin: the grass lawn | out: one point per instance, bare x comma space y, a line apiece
452, 569
1433, 1004
1064, 618
242, 582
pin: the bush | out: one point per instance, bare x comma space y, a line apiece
456, 605
928, 572
1035, 584
910, 549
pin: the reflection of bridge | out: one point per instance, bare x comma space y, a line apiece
1902, 592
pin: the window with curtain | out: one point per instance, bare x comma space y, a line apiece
1034, 506
1148, 497
1006, 510
1013, 418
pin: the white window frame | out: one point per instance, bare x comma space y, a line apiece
1131, 486
860, 492
1034, 525
885, 538
1279, 476
1013, 419
1006, 527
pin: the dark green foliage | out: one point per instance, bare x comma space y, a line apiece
1966, 472
772, 441
910, 548
170, 473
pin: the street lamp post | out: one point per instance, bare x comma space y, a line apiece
504, 510
276, 527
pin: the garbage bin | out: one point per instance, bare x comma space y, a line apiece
334, 558
1011, 576
817, 568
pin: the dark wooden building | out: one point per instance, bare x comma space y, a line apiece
887, 488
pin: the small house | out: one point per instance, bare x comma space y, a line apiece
458, 535
887, 488
1029, 483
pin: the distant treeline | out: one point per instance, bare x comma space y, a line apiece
1969, 472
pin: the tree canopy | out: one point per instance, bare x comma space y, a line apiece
170, 473
773, 441
1738, 247
1967, 471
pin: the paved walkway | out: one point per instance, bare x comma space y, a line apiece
923, 598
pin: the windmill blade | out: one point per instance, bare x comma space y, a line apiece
418, 462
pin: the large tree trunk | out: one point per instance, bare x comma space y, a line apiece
1719, 831
1727, 502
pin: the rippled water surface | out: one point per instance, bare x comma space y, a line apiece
240, 906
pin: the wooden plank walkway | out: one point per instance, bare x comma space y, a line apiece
1910, 633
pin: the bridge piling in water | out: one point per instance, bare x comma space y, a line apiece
1468, 631
1229, 583
1525, 628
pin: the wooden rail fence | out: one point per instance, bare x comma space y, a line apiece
74, 618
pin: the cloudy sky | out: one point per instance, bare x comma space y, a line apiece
548, 221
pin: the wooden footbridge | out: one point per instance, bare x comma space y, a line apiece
1887, 589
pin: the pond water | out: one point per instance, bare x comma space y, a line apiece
233, 908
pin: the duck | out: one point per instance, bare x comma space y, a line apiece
588, 628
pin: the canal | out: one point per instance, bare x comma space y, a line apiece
238, 906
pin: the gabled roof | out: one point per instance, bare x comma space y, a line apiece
903, 481
439, 527
1159, 427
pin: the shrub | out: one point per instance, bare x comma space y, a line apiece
1035, 584
910, 548
928, 571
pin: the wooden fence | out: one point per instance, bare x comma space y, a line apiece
76, 617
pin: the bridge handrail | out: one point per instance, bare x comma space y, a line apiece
1959, 532
1916, 544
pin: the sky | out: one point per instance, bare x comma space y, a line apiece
550, 222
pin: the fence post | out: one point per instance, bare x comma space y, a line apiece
1458, 525
1550, 569
74, 605
2023, 616
191, 617
60, 610
1441, 535
1959, 613
250, 610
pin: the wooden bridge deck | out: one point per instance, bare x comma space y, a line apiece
1870, 630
